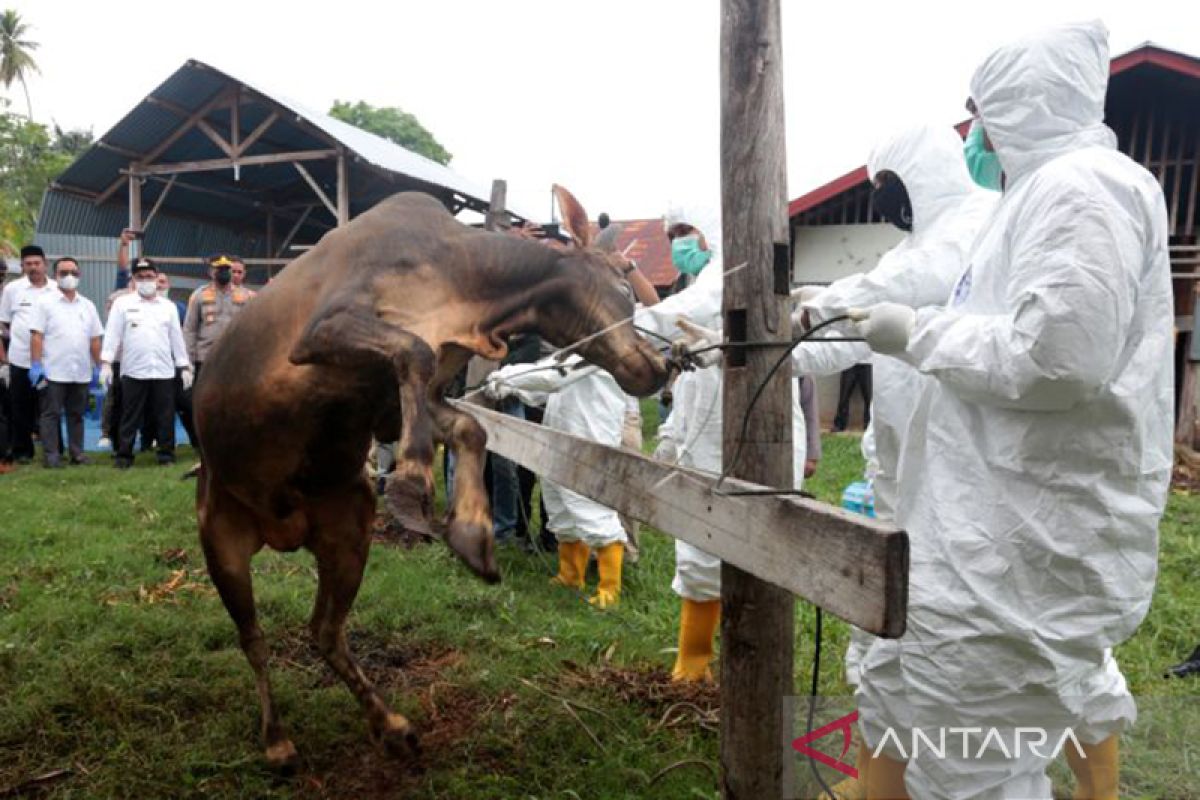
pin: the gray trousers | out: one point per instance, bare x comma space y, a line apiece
57, 399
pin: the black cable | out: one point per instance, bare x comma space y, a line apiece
812, 702
737, 454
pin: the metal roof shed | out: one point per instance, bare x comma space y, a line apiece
229, 161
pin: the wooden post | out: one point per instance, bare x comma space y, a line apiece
494, 221
343, 189
135, 216
757, 618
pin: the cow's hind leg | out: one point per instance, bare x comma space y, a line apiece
229, 542
340, 541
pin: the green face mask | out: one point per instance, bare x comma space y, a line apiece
687, 256
983, 164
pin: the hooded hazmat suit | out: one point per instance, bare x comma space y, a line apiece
588, 402
695, 425
1036, 464
948, 211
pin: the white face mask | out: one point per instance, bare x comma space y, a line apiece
68, 283
162, 292
147, 289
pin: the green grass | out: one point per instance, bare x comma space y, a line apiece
126, 673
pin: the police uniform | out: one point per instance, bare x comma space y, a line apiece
209, 312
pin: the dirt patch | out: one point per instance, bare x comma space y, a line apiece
672, 704
1186, 477
388, 531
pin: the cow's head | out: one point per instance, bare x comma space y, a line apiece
600, 300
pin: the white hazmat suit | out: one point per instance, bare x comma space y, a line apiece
588, 402
948, 211
694, 427
1036, 465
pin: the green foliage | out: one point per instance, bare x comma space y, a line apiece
393, 124
16, 53
30, 158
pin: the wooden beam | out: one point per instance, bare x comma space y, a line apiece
496, 213
217, 139
324, 198
343, 189
850, 565
255, 134
158, 203
162, 146
175, 109
121, 151
211, 164
135, 203
295, 229
758, 618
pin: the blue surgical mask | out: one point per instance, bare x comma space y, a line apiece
687, 256
983, 164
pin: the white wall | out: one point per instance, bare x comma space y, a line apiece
825, 253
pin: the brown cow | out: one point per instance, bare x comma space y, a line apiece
359, 338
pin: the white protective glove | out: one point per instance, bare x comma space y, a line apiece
885, 326
697, 337
106, 376
803, 297
187, 376
667, 450
495, 388
5, 377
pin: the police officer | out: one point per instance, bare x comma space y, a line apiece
211, 307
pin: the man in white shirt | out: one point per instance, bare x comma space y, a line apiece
16, 310
65, 352
145, 329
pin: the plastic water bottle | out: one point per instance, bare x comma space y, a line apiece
859, 497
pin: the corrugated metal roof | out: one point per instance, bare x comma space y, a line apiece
377, 167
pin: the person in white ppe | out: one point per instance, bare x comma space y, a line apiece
1037, 462
921, 185
692, 434
586, 401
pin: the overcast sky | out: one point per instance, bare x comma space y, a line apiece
617, 99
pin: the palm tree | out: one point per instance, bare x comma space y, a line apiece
16, 57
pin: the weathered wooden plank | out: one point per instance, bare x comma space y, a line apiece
852, 566
343, 189
316, 187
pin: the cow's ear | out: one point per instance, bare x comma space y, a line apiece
574, 218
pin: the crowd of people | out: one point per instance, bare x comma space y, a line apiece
140, 365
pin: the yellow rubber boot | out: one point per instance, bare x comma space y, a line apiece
572, 564
885, 779
697, 627
853, 788
608, 562
1097, 777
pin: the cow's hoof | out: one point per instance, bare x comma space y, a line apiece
283, 758
399, 737
473, 543
410, 504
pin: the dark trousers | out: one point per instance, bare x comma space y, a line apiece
183, 407
24, 412
136, 396
57, 399
5, 425
857, 378
110, 424
527, 481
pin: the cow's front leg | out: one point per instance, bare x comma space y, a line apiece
469, 522
351, 335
